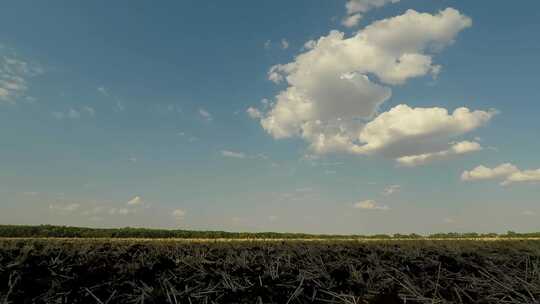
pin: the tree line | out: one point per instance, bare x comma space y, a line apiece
130, 232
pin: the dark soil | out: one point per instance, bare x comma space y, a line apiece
108, 271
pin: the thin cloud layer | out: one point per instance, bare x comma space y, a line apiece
335, 89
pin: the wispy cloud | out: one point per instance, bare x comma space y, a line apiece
103, 91
254, 113
242, 155
66, 208
299, 194
232, 154
178, 214
118, 104
135, 201
370, 205
449, 220
459, 148
190, 138
74, 113
205, 114
125, 211
14, 75
174, 108
391, 190
89, 110
284, 44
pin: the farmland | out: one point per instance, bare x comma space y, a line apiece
106, 270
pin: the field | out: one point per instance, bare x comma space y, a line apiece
277, 271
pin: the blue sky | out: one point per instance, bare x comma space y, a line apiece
128, 113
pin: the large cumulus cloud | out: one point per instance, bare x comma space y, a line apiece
335, 88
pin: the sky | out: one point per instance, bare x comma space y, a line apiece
317, 116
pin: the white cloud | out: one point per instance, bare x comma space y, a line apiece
179, 214
413, 136
485, 173
136, 201
529, 213
205, 114
391, 190
391, 131
370, 205
356, 8
275, 75
338, 84
523, 177
506, 172
232, 154
284, 44
267, 44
